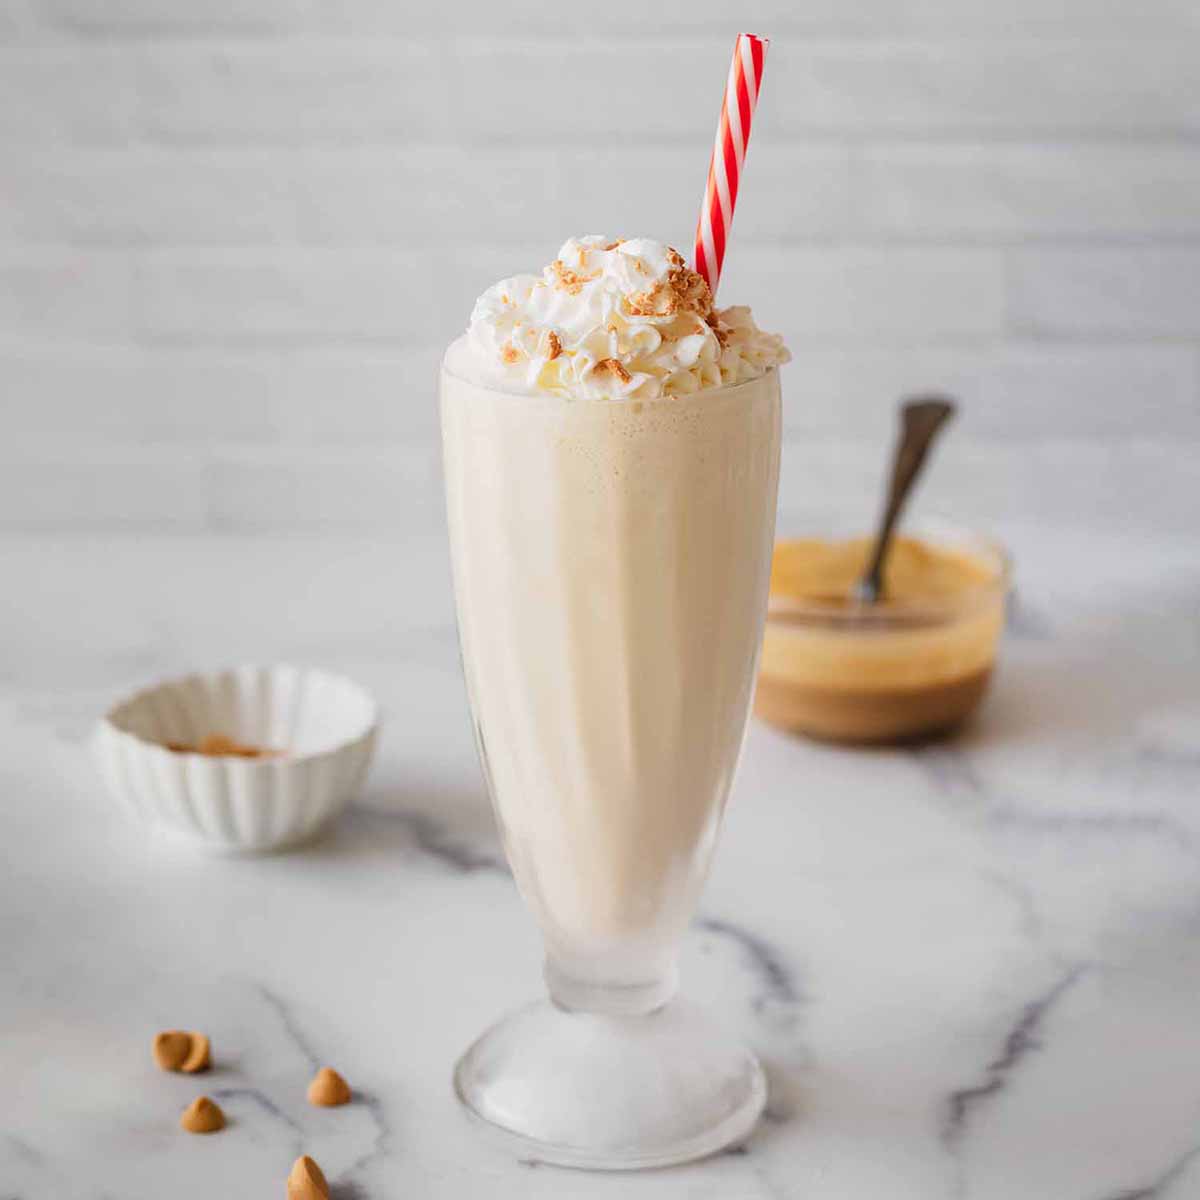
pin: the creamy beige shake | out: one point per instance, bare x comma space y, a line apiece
612, 456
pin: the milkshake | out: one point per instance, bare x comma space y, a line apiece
611, 503
612, 454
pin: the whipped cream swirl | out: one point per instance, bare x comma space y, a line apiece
614, 319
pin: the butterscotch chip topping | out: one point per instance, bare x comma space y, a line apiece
202, 1116
306, 1181
180, 1050
659, 301
328, 1089
509, 352
568, 280
683, 290
553, 346
612, 366
720, 331
693, 290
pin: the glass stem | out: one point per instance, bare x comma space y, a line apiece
628, 1000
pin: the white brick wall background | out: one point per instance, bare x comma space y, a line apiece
234, 236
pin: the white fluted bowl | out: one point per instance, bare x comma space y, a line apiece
324, 724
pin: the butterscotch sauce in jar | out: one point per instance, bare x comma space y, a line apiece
914, 664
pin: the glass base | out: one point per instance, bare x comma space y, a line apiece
612, 1093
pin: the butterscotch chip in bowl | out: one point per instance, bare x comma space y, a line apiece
307, 1181
202, 1116
328, 1089
182, 1050
217, 745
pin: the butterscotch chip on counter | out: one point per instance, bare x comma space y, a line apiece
328, 1089
202, 1116
198, 1058
171, 1048
307, 1181
182, 1050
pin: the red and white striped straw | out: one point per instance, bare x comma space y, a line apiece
729, 152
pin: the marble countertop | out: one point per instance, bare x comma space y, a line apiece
972, 970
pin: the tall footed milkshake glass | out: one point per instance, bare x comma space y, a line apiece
611, 566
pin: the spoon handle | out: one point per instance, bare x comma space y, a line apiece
920, 420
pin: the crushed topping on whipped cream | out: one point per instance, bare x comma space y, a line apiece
612, 366
611, 319
567, 280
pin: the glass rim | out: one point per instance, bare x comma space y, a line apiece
546, 397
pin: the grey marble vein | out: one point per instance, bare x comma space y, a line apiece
1177, 757
951, 770
1021, 1039
289, 1027
347, 1189
1160, 1188
388, 825
776, 1003
435, 840
778, 986
261, 1100
379, 1147
365, 1101
1117, 824
1023, 899
21, 1150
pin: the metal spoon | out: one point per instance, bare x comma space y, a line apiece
920, 420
